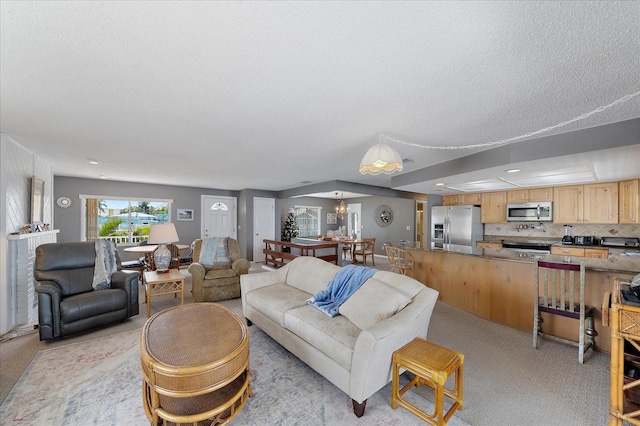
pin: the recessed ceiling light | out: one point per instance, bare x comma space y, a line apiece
440, 184
94, 162
102, 177
513, 170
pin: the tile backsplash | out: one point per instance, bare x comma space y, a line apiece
552, 231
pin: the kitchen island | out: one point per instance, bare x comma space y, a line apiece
498, 285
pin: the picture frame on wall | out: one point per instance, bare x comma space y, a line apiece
332, 218
185, 215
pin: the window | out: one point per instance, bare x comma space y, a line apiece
219, 206
308, 220
122, 220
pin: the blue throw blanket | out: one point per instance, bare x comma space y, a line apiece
342, 285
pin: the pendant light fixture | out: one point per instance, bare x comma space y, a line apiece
381, 158
341, 209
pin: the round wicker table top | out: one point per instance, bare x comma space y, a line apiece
194, 348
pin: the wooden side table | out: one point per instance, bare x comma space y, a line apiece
156, 284
432, 366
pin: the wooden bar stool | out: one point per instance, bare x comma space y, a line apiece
432, 366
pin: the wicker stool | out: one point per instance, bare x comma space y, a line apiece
432, 365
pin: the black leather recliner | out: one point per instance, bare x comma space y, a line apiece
67, 302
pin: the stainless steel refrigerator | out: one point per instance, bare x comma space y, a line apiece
455, 226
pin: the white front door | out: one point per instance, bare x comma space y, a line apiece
355, 220
264, 225
218, 216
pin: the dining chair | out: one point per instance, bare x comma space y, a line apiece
399, 259
175, 256
364, 248
559, 292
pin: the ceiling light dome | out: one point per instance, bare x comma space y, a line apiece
381, 158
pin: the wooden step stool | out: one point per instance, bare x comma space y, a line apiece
432, 366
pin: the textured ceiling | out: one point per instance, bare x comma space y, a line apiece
267, 95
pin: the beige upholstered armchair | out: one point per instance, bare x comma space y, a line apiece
220, 280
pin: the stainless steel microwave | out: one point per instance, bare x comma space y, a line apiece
541, 211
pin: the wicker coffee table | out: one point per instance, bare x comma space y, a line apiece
195, 365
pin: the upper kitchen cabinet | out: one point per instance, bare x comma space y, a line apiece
592, 203
601, 203
494, 207
451, 200
568, 204
629, 201
470, 199
530, 195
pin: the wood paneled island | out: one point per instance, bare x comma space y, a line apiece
498, 285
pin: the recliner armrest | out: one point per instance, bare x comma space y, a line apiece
241, 266
127, 281
49, 298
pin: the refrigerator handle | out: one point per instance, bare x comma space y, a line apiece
446, 230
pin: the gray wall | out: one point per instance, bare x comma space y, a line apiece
69, 220
404, 212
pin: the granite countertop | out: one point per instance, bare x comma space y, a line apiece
618, 261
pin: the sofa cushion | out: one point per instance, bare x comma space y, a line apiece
373, 302
92, 303
335, 337
405, 285
275, 300
310, 274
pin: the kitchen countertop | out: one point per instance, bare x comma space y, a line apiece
617, 262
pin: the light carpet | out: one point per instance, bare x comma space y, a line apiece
99, 382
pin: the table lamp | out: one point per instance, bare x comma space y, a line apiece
162, 235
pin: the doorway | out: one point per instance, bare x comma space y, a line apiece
354, 225
264, 225
420, 224
218, 217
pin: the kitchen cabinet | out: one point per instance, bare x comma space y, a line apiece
596, 253
629, 201
471, 199
568, 204
530, 195
601, 203
451, 200
592, 203
593, 253
494, 207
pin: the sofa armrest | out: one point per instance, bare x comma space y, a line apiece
128, 281
49, 297
371, 363
241, 266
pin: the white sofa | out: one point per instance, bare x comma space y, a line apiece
355, 358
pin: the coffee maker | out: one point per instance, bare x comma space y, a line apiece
568, 237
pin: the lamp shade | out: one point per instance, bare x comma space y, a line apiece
381, 158
163, 233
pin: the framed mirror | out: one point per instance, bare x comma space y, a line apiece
37, 200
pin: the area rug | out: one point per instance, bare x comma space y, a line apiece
98, 382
